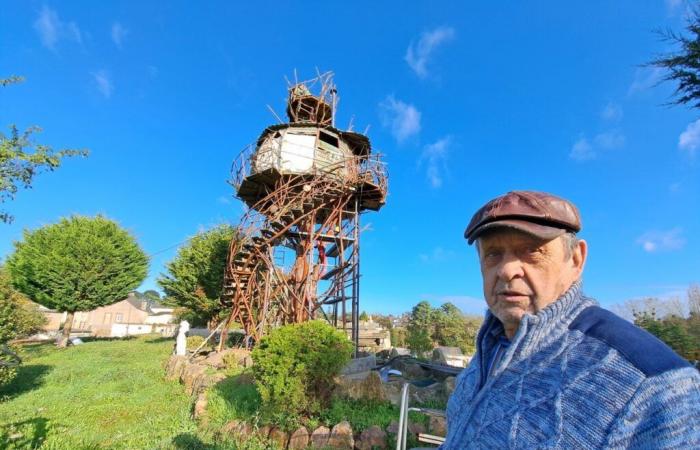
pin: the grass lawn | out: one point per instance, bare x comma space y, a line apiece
102, 394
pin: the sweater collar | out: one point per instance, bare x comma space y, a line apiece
548, 324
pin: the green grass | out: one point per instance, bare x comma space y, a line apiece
102, 394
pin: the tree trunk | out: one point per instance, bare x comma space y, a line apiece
62, 340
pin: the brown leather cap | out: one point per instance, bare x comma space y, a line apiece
537, 213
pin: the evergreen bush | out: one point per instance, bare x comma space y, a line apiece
294, 367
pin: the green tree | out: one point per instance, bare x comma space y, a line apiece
18, 318
77, 264
195, 277
21, 158
454, 329
683, 66
420, 328
364, 316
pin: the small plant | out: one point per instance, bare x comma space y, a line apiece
294, 367
193, 342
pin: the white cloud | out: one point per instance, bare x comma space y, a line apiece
418, 54
653, 241
436, 156
401, 118
118, 34
612, 112
103, 82
582, 150
644, 78
689, 140
610, 140
436, 255
676, 187
51, 29
585, 150
224, 200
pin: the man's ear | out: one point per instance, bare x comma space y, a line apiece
579, 255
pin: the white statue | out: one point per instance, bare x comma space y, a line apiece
181, 342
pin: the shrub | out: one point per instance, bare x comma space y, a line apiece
193, 342
294, 367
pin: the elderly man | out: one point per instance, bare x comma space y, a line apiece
552, 368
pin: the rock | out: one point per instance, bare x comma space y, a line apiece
393, 427
358, 365
190, 375
415, 428
231, 428
278, 437
319, 438
299, 439
368, 387
410, 369
372, 438
200, 406
448, 386
264, 431
433, 393
392, 391
215, 360
437, 426
341, 437
400, 351
450, 356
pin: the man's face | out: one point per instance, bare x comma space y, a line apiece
523, 274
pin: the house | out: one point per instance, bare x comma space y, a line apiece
133, 315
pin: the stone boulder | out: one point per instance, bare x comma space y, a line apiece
299, 439
368, 386
319, 438
393, 427
372, 438
450, 356
190, 375
399, 351
200, 407
437, 426
278, 437
359, 365
264, 431
448, 386
341, 437
410, 369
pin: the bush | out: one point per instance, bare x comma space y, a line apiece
193, 342
294, 367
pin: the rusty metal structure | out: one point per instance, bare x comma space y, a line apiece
305, 184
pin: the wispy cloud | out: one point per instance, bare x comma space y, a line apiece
418, 53
119, 33
51, 29
582, 150
676, 187
224, 200
585, 150
657, 241
689, 140
610, 140
436, 255
645, 78
104, 82
435, 155
402, 119
611, 112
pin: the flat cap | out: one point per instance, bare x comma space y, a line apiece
537, 213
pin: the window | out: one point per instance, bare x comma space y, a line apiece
328, 138
119, 317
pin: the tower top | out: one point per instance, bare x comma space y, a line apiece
306, 107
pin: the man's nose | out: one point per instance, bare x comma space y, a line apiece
510, 267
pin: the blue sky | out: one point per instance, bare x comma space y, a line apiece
465, 101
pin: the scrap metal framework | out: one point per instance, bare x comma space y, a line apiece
297, 250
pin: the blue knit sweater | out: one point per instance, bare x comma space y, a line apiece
575, 376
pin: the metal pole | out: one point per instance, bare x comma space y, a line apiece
356, 279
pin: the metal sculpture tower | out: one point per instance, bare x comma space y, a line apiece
297, 252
